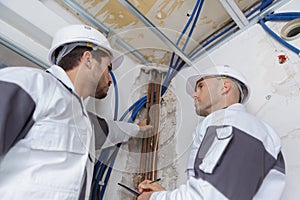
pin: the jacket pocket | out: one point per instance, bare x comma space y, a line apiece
221, 140
53, 137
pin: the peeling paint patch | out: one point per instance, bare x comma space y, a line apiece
116, 14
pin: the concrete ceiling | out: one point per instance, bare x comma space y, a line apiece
127, 20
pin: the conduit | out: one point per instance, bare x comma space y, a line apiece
280, 17
148, 159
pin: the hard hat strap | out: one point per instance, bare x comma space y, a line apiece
67, 48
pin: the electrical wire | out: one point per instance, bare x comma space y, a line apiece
280, 17
116, 95
189, 36
262, 6
181, 35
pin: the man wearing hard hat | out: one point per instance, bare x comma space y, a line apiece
234, 155
48, 152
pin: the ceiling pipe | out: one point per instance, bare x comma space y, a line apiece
75, 7
155, 30
274, 6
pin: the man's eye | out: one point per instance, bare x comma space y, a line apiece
200, 85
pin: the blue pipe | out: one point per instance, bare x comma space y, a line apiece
113, 156
116, 95
190, 34
181, 35
279, 39
198, 8
275, 17
136, 111
262, 6
132, 107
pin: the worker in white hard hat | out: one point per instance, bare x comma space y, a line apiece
234, 154
46, 137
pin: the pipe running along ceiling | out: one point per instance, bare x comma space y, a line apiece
149, 31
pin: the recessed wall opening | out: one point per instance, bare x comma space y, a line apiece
291, 30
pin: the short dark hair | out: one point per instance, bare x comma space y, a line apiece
72, 59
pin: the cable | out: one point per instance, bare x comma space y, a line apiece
263, 5
132, 107
114, 156
181, 35
197, 9
279, 39
280, 17
116, 95
190, 33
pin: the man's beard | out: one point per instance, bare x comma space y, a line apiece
101, 95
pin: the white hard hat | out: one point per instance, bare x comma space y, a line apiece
82, 34
223, 70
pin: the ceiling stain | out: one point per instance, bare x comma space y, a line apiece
94, 2
174, 6
115, 14
208, 21
141, 36
168, 15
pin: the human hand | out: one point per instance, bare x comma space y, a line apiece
144, 127
147, 187
145, 196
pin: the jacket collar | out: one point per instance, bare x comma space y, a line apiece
236, 106
61, 75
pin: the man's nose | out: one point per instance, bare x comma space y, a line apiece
194, 95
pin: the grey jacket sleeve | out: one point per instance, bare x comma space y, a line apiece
16, 118
100, 128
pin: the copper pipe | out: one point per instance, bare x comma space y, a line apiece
149, 139
144, 140
156, 126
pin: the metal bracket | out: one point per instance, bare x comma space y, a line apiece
234, 11
155, 30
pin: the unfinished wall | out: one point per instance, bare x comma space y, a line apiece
166, 163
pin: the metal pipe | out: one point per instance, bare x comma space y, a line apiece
144, 140
235, 13
156, 125
75, 7
150, 139
155, 30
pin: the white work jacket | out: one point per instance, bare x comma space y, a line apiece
234, 156
47, 137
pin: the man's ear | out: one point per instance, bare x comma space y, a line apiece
226, 86
86, 58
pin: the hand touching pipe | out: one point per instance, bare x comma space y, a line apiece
143, 126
